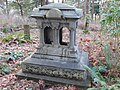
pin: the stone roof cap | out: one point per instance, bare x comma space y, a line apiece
57, 10
57, 5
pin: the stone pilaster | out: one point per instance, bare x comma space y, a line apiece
41, 36
72, 38
56, 33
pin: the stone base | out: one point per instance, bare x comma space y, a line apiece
56, 71
55, 80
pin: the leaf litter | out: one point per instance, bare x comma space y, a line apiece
11, 55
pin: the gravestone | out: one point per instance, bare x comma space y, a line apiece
26, 32
55, 60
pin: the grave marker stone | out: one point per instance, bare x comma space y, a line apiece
27, 32
55, 60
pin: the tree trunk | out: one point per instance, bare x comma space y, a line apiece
36, 3
21, 11
46, 2
86, 6
92, 13
43, 2
78, 3
7, 7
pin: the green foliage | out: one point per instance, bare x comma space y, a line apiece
111, 23
102, 74
16, 37
88, 18
86, 31
111, 18
14, 55
0, 57
96, 76
96, 8
20, 38
5, 30
99, 69
8, 38
87, 21
27, 5
99, 79
11, 55
113, 87
5, 69
108, 55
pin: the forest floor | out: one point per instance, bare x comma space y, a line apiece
13, 52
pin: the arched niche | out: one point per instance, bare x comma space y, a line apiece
48, 35
64, 36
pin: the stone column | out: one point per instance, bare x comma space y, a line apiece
75, 37
56, 34
72, 38
41, 40
72, 34
56, 39
40, 26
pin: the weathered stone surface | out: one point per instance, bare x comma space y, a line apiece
57, 60
27, 32
56, 80
58, 63
54, 72
64, 10
54, 13
64, 53
57, 69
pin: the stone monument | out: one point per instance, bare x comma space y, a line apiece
56, 60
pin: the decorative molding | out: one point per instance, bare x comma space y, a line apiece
61, 25
54, 72
46, 24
